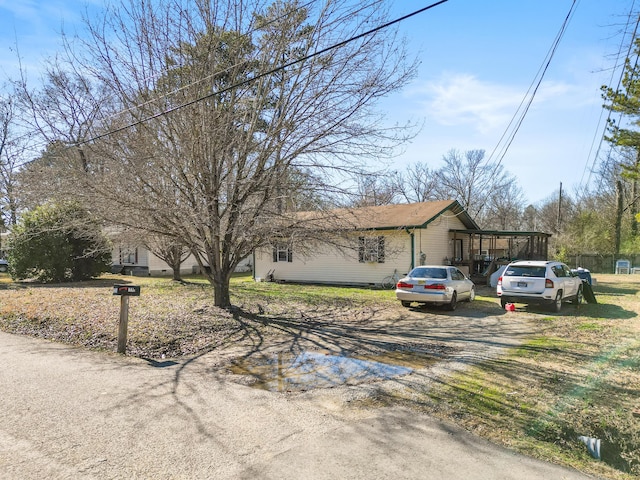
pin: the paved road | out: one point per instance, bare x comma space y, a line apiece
71, 414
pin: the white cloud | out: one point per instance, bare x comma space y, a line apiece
458, 99
24, 9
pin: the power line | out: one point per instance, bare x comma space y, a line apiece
631, 43
242, 83
522, 113
261, 75
168, 70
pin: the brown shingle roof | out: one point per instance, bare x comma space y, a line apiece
406, 215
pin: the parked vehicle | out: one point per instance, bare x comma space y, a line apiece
435, 284
4, 265
539, 282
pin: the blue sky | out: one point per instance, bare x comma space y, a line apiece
478, 59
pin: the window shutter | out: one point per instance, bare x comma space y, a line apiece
380, 249
361, 249
289, 255
275, 253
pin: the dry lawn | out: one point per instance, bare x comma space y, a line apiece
576, 373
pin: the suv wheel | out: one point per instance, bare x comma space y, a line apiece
557, 304
579, 296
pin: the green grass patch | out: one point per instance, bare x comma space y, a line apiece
590, 327
544, 394
541, 346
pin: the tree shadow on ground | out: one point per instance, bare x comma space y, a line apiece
94, 283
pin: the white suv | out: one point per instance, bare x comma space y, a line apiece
539, 282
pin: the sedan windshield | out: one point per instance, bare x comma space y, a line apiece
427, 272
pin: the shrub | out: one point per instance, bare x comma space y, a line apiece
56, 243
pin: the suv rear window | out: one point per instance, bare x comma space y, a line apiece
525, 271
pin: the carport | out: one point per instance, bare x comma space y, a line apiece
488, 249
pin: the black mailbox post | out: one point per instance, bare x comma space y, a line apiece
124, 291
127, 290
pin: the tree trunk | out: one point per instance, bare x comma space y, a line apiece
222, 298
176, 272
634, 198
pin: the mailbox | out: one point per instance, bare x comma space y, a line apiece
127, 290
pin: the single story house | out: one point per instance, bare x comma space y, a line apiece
377, 242
139, 261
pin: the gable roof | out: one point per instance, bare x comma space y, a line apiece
400, 216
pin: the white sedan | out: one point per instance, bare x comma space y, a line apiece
437, 284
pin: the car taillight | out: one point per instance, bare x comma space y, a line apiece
404, 285
435, 286
548, 283
499, 280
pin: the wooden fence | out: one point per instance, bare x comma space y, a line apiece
601, 263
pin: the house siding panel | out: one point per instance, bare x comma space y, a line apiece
328, 265
435, 240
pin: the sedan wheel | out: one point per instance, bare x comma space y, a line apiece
454, 302
472, 294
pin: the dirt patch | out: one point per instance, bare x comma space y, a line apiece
171, 320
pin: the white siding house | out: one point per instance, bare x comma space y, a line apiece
385, 239
137, 260
141, 262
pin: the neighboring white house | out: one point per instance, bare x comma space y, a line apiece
139, 261
4, 238
385, 239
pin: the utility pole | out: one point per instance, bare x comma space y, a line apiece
559, 209
619, 210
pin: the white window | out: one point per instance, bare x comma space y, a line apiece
282, 253
371, 249
128, 255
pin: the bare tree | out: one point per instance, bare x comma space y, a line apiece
12, 149
374, 190
229, 116
46, 178
65, 111
504, 210
169, 250
418, 183
550, 215
471, 180
530, 218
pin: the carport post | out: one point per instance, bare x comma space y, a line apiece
123, 325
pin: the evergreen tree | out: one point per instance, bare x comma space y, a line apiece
58, 243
